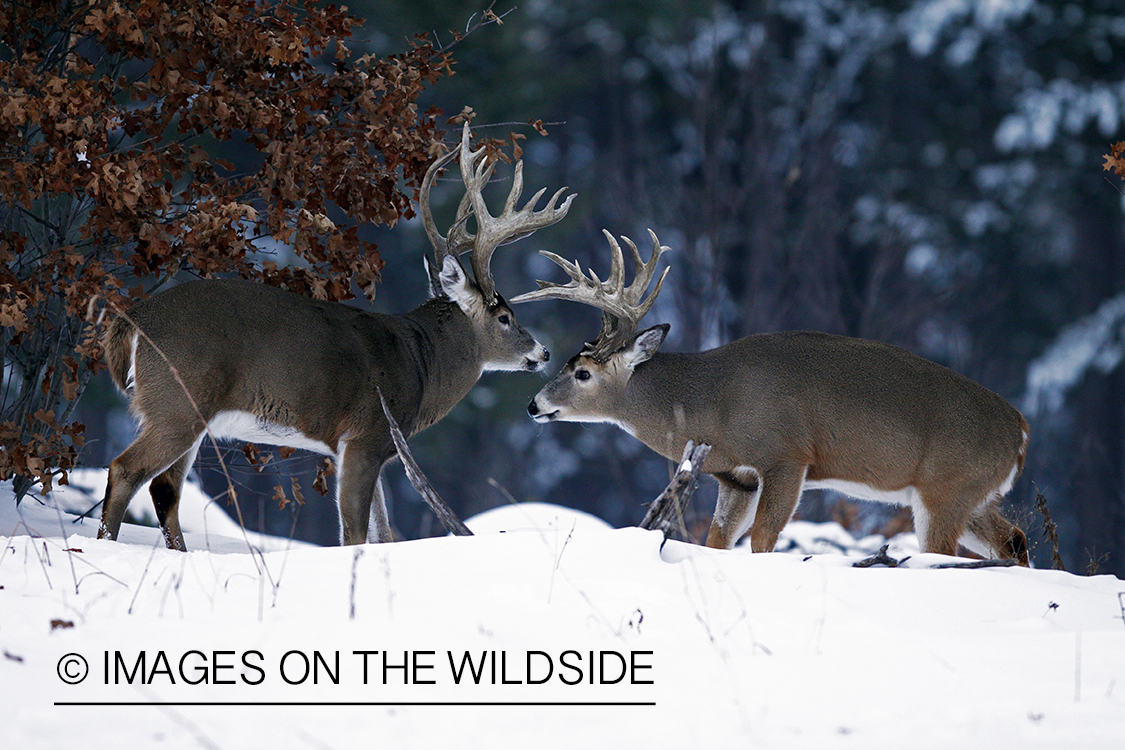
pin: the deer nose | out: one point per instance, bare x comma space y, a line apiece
546, 356
532, 409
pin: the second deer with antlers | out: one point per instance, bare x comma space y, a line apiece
250, 362
785, 412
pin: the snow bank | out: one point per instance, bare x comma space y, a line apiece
557, 633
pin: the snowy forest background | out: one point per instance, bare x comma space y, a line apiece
921, 172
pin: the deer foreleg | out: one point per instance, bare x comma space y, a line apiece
357, 486
379, 516
781, 491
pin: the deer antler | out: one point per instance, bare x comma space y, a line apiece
622, 307
512, 224
443, 246
492, 231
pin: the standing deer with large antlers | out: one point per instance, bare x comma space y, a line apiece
786, 412
245, 361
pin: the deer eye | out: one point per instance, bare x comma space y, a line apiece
582, 375
504, 320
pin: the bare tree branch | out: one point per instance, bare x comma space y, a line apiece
979, 564
669, 506
414, 473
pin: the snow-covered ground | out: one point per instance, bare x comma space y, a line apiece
579, 636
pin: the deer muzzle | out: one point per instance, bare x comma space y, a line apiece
538, 414
538, 358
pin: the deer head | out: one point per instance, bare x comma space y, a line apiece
594, 378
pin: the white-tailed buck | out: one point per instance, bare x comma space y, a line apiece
270, 366
786, 412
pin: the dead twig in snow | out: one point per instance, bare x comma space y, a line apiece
1050, 530
879, 558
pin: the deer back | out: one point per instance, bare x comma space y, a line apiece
294, 362
848, 408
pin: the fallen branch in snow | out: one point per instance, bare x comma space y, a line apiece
879, 558
882, 558
669, 506
979, 564
414, 473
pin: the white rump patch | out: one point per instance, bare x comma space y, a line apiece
241, 425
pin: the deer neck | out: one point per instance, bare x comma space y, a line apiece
664, 404
447, 355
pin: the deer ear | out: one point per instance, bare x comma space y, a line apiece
455, 284
645, 345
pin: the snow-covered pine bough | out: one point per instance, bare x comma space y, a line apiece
244, 361
785, 412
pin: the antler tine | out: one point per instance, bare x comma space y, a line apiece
616, 331
457, 238
582, 288
621, 307
643, 309
645, 271
517, 189
512, 223
460, 239
441, 244
636, 291
615, 283
548, 210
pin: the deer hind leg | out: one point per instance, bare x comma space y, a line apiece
991, 535
735, 509
166, 489
357, 486
154, 451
